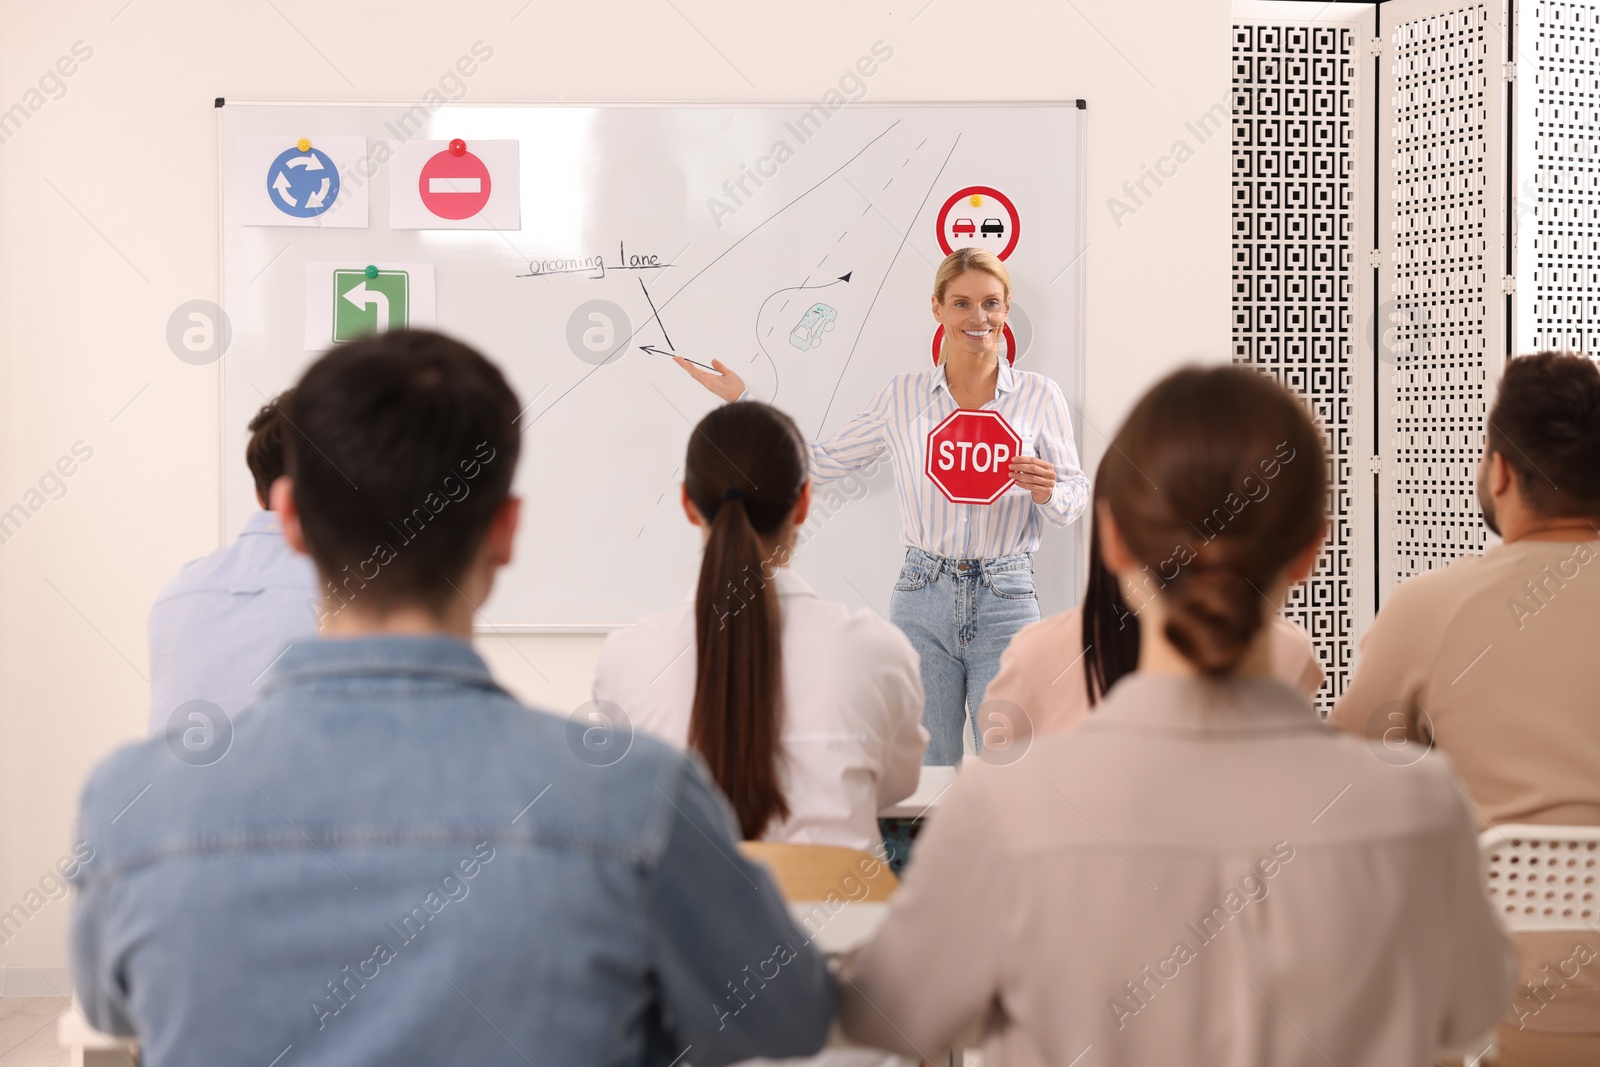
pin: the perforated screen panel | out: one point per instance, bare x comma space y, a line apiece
1443, 296
1558, 177
1295, 252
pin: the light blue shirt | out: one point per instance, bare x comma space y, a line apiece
898, 422
225, 618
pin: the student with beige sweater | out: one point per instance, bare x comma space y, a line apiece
1200, 872
1493, 659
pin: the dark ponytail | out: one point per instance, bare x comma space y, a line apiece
745, 468
1217, 481
1110, 634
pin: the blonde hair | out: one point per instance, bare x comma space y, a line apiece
958, 263
962, 260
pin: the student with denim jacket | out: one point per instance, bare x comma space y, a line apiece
388, 859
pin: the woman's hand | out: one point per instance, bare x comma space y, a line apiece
1038, 476
727, 385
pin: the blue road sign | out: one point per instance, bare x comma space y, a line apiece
303, 184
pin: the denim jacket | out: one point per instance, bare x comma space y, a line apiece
387, 859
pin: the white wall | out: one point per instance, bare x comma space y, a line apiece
108, 206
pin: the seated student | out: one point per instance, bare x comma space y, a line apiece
1493, 660
808, 714
225, 618
1056, 670
396, 862
1200, 872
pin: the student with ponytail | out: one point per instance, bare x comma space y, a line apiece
807, 713
1200, 872
966, 586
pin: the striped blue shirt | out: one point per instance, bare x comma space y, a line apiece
899, 420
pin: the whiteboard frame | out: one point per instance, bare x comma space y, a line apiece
1076, 541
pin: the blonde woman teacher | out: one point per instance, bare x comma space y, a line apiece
967, 583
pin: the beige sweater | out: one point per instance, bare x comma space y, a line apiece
1496, 660
1199, 873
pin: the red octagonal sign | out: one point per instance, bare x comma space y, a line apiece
970, 454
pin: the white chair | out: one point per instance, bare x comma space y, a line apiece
88, 1047
1539, 877
1543, 877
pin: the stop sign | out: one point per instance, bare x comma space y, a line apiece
970, 454
454, 184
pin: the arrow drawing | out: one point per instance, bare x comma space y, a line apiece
845, 277
315, 199
656, 314
729, 250
308, 162
362, 297
281, 184
653, 350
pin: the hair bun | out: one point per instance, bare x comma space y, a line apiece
1220, 471
1213, 613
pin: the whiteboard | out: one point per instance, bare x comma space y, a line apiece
620, 203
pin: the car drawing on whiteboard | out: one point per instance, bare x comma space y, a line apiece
963, 228
993, 226
807, 333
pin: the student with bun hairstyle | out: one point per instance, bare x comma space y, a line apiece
807, 713
1201, 872
1057, 670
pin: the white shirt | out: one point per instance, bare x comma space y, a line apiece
225, 618
899, 420
852, 704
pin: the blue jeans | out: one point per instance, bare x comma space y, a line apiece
960, 614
